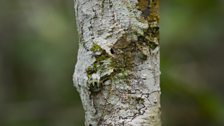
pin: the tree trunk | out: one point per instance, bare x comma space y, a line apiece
117, 71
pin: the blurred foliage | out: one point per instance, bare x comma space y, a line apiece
37, 56
192, 63
38, 45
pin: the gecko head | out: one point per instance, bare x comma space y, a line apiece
94, 83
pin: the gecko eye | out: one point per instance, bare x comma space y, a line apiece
95, 83
112, 51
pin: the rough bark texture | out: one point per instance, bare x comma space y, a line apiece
117, 71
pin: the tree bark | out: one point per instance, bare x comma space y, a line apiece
117, 71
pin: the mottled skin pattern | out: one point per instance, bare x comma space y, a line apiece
117, 72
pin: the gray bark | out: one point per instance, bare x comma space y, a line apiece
117, 71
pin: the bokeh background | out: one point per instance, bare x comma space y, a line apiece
38, 48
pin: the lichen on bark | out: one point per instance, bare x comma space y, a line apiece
117, 72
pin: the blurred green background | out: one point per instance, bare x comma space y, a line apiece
38, 45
